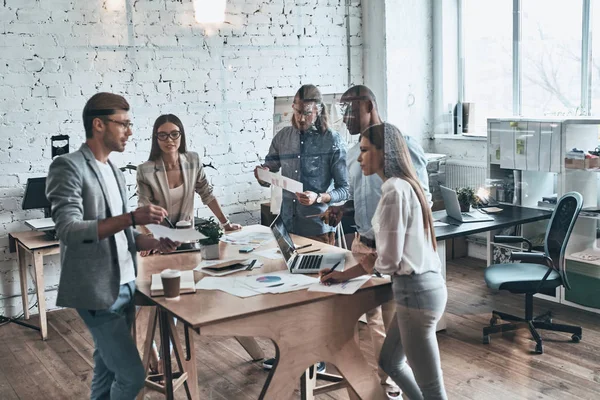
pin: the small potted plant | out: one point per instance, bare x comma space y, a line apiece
213, 232
466, 198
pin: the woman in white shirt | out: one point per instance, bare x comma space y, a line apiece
406, 250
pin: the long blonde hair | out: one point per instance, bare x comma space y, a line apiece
397, 163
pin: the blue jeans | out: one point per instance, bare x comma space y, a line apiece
420, 303
118, 370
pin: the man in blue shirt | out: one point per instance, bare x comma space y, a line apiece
313, 154
360, 112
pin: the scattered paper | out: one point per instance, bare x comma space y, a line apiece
439, 224
227, 285
272, 254
176, 235
348, 287
252, 285
248, 238
281, 181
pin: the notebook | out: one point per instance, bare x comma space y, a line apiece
187, 284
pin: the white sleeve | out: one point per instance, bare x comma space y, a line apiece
394, 219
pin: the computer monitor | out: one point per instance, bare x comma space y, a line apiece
35, 195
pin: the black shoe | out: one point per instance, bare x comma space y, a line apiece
268, 363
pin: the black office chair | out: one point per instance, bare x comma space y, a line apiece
537, 272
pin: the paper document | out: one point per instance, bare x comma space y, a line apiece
252, 285
176, 235
439, 224
277, 282
248, 238
186, 285
281, 181
272, 254
348, 287
227, 285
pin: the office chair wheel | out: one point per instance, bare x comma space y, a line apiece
493, 321
486, 339
576, 338
539, 349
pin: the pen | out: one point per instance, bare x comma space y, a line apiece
310, 251
303, 247
169, 222
334, 267
313, 215
251, 265
330, 271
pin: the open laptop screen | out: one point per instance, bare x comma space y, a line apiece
284, 241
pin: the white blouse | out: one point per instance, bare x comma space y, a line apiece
176, 195
403, 246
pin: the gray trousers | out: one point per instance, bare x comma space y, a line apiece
420, 303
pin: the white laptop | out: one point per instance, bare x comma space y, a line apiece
303, 263
453, 208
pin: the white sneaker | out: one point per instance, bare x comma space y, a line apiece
393, 393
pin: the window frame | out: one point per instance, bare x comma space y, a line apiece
586, 59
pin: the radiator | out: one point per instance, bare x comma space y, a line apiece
460, 173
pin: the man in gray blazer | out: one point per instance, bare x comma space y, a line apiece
98, 245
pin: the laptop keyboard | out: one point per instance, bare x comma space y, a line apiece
308, 262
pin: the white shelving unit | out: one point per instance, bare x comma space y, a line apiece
528, 155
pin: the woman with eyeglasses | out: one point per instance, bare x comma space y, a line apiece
172, 174
169, 178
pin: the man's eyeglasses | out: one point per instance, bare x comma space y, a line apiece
162, 136
307, 110
124, 124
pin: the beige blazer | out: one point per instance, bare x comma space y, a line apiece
153, 188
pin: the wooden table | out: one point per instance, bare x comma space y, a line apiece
36, 245
306, 327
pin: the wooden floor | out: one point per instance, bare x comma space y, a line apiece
61, 368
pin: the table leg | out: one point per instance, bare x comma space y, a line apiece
22, 259
38, 267
355, 369
308, 383
308, 333
163, 318
251, 346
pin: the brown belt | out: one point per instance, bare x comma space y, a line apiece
367, 242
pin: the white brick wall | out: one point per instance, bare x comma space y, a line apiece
219, 81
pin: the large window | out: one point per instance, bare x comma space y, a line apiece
529, 57
551, 57
487, 47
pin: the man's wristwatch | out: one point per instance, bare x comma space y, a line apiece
319, 198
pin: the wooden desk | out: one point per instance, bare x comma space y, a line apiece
306, 327
36, 245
